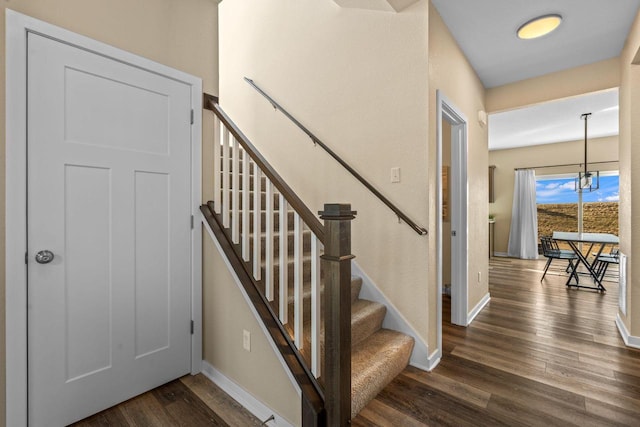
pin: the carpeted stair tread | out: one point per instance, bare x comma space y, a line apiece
374, 363
366, 319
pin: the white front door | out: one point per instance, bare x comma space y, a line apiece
109, 195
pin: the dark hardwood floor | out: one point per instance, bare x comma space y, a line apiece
537, 355
191, 401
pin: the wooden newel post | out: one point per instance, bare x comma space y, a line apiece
336, 265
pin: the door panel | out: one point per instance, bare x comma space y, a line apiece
109, 194
90, 120
87, 263
152, 262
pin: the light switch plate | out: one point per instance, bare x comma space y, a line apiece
246, 340
395, 175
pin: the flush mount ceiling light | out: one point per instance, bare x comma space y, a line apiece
540, 26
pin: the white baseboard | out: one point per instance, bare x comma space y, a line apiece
434, 359
501, 254
394, 319
250, 403
629, 340
478, 308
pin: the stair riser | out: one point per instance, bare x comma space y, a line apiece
263, 198
306, 271
263, 180
355, 288
240, 165
306, 244
363, 327
263, 222
373, 366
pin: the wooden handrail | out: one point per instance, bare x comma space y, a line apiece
210, 103
401, 215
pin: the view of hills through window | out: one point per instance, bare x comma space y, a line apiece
558, 205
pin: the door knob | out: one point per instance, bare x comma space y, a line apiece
44, 257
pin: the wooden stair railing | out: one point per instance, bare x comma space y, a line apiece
235, 217
399, 213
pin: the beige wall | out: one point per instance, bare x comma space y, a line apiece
179, 33
561, 84
358, 80
600, 149
226, 315
450, 72
630, 182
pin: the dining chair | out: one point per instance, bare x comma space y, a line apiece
551, 251
604, 260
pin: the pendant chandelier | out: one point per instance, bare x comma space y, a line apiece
587, 181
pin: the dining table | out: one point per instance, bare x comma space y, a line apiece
597, 243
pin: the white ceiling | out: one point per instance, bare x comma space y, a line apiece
555, 121
592, 30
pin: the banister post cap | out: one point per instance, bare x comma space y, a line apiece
337, 211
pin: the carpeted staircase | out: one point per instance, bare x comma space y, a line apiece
378, 354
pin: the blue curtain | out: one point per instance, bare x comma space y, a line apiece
523, 236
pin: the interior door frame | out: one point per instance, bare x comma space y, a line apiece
445, 110
17, 28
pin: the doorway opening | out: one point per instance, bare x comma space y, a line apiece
451, 211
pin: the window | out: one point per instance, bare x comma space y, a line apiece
557, 203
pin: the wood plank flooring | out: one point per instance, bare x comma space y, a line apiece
537, 355
191, 401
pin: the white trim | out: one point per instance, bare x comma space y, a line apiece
196, 232
17, 27
459, 294
243, 397
434, 359
629, 340
501, 254
394, 318
478, 308
250, 304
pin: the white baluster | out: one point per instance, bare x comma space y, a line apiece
235, 189
315, 306
283, 206
257, 225
217, 177
298, 291
268, 249
246, 227
225, 177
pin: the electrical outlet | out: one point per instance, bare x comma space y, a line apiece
246, 340
395, 175
479, 276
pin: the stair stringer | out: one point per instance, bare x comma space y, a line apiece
253, 311
394, 319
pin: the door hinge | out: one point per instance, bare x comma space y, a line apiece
192, 222
453, 233
26, 258
192, 326
192, 116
